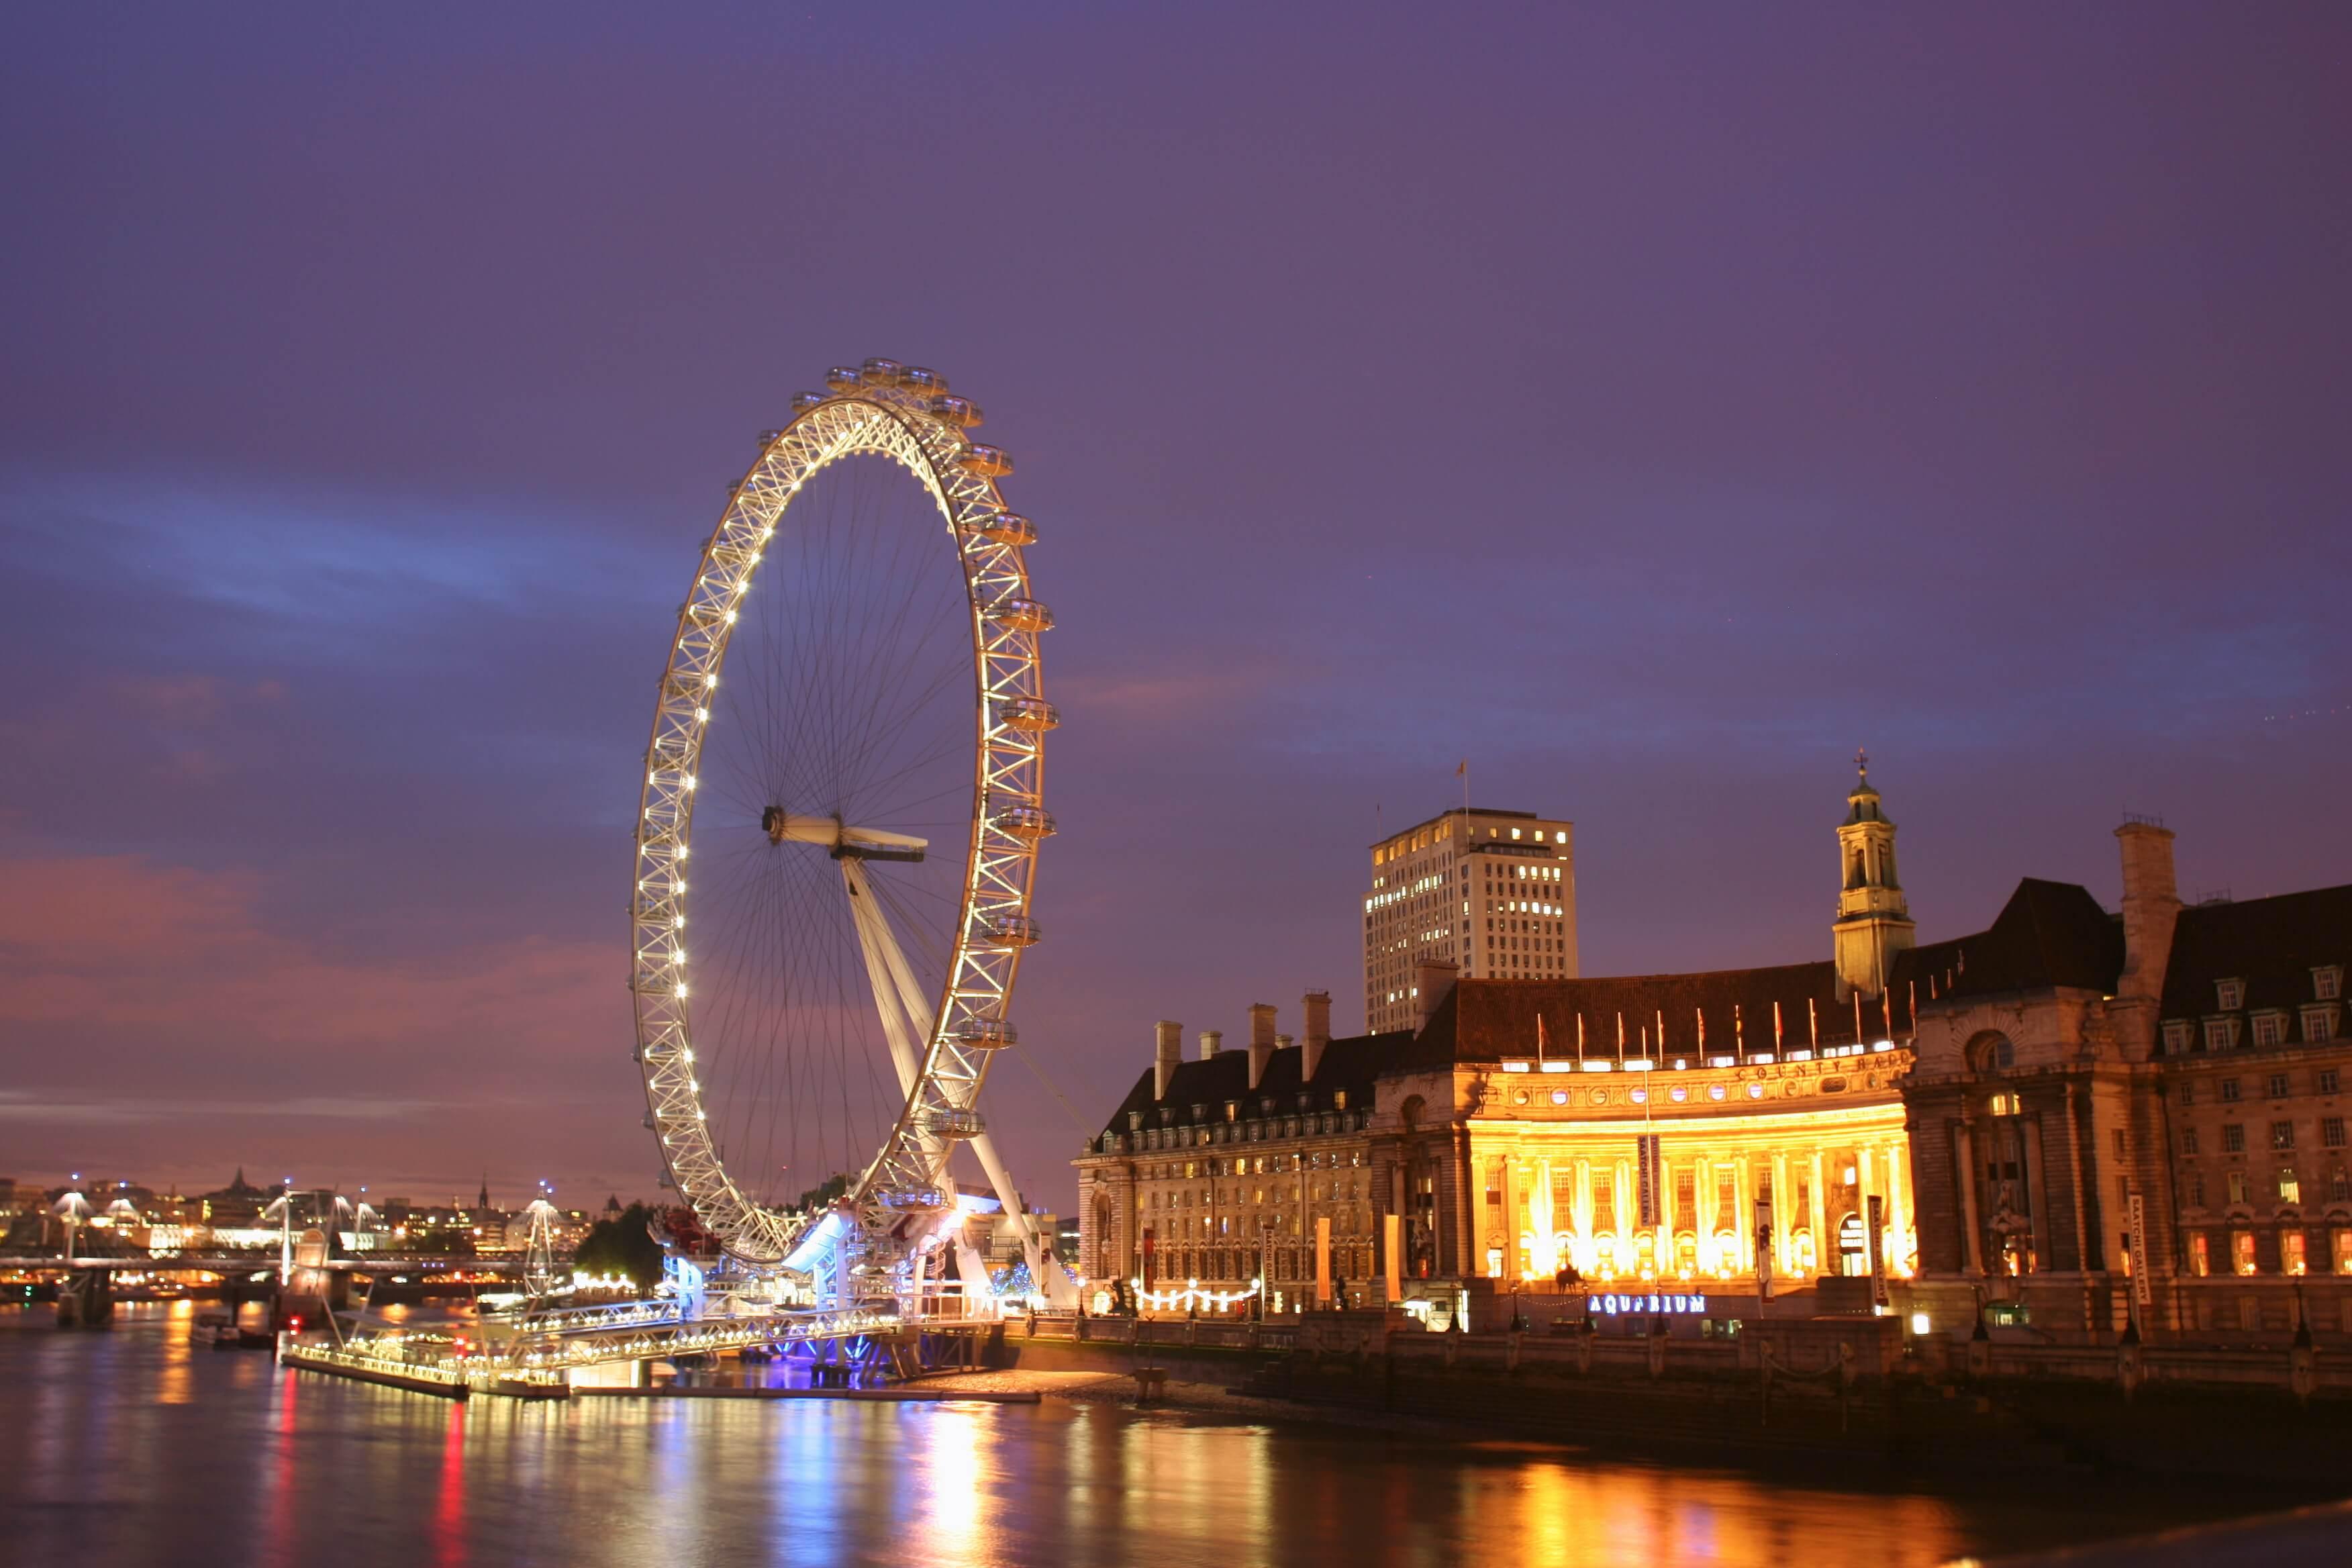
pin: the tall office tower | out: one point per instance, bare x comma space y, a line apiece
1491, 892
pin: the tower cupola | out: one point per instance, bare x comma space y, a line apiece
1874, 920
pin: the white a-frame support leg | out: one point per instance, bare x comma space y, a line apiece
908, 1024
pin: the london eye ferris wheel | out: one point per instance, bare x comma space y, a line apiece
837, 837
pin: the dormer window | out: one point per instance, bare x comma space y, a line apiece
1233, 1109
2327, 982
2220, 1033
2318, 1024
2228, 995
2176, 1036
2269, 1028
1338, 1099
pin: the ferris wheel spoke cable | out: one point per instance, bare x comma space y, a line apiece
881, 673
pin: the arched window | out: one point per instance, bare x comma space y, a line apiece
1853, 878
1410, 1113
1992, 1053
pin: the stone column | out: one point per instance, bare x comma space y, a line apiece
2038, 1188
1620, 1191
1703, 1224
1548, 1215
1665, 1241
1743, 1238
1784, 1211
1898, 1195
1964, 1142
1510, 1266
1819, 1219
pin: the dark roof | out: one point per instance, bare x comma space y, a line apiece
2048, 934
1486, 1020
1350, 1064
2271, 944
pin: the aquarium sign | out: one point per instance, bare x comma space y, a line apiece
1613, 1303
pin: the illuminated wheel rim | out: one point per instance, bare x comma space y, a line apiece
902, 414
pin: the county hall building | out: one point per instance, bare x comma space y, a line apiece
1967, 1120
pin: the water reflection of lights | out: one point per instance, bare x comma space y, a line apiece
449, 1508
174, 1385
951, 1473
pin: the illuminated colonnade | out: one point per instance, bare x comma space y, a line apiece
1566, 1190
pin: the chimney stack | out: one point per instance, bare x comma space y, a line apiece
2151, 907
1164, 1059
1261, 1046
1318, 1005
1211, 1041
1432, 979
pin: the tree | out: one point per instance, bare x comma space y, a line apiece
622, 1245
824, 1194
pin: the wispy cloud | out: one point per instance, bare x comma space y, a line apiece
299, 561
17, 1105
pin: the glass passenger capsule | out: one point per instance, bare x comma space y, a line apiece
1007, 930
1027, 713
1021, 614
959, 411
989, 462
1029, 821
1004, 527
952, 1123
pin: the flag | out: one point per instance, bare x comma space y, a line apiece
1646, 1154
1462, 769
1877, 1250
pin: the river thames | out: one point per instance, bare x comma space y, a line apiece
132, 1445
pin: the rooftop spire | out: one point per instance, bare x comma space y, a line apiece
1862, 801
1874, 920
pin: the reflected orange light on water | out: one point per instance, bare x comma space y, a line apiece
1569, 1514
172, 1384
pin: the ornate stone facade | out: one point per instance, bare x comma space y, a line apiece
2070, 1061
2011, 1100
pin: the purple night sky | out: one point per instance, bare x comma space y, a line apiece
1649, 408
